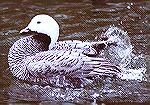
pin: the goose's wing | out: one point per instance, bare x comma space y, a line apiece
55, 61
71, 63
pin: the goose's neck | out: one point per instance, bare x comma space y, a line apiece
43, 40
38, 42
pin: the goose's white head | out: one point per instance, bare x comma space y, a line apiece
44, 24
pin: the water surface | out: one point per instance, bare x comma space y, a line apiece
79, 20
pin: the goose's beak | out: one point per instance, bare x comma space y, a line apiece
25, 30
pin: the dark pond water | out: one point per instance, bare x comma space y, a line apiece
82, 20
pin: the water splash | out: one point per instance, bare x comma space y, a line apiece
133, 67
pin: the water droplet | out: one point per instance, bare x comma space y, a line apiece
128, 7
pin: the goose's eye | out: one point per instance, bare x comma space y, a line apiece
38, 22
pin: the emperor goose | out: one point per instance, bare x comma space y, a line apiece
39, 58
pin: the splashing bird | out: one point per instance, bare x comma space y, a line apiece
39, 58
